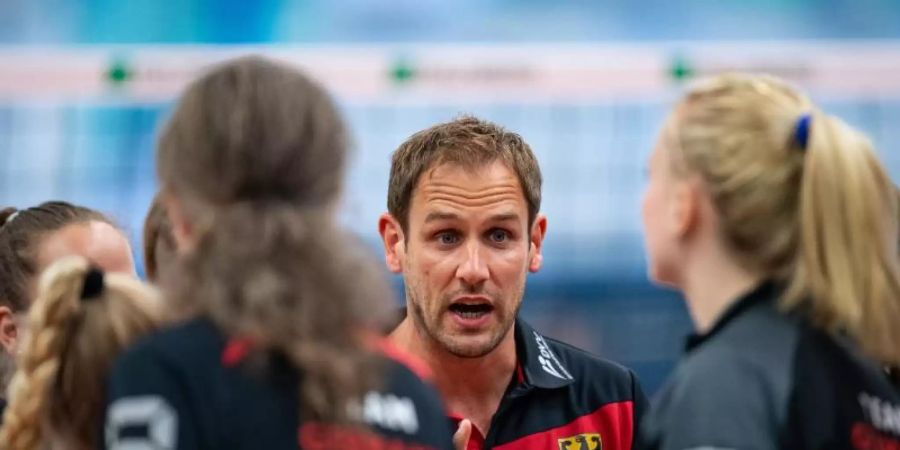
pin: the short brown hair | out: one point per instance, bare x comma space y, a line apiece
467, 141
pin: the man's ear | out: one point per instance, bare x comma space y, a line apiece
394, 242
538, 232
9, 330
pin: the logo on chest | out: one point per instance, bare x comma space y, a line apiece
584, 441
549, 362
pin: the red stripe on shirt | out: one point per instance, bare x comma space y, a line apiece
613, 422
391, 350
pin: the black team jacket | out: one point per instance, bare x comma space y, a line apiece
762, 379
188, 387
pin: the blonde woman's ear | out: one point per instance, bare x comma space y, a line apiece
684, 208
9, 330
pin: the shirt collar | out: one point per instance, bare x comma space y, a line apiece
537, 364
764, 292
541, 366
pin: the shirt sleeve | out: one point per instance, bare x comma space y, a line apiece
641, 405
146, 407
431, 429
436, 428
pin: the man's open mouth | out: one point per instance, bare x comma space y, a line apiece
471, 310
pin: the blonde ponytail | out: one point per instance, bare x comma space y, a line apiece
847, 268
50, 319
58, 391
819, 216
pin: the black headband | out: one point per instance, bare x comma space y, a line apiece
93, 284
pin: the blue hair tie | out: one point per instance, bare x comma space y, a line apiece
801, 131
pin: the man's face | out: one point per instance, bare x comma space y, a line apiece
466, 253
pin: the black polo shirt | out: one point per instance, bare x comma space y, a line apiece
188, 387
762, 379
562, 398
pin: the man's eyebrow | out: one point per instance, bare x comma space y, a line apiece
437, 215
503, 217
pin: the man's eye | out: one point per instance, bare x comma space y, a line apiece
447, 238
499, 236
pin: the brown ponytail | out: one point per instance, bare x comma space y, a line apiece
255, 153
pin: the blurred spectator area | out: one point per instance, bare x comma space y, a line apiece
79, 123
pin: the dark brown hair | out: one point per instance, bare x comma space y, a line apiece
20, 233
466, 141
254, 153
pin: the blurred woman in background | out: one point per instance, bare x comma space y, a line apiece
80, 322
780, 227
33, 238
